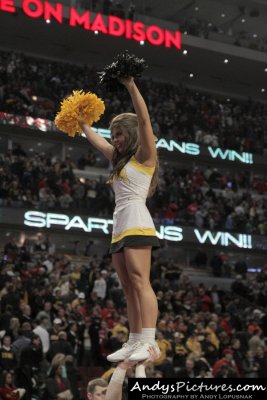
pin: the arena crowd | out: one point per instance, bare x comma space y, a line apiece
30, 86
60, 313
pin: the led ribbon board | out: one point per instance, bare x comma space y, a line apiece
38, 219
191, 149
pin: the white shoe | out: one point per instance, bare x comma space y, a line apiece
142, 352
123, 353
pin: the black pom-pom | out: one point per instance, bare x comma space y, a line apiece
124, 65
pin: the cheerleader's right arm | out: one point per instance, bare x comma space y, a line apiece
98, 141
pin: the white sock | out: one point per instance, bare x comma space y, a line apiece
119, 375
148, 335
134, 337
140, 371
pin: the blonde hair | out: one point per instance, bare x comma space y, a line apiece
128, 123
58, 359
94, 383
14, 325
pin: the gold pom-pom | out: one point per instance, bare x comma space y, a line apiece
78, 106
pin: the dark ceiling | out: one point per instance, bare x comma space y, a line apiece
211, 10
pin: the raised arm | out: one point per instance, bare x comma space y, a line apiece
114, 391
147, 152
97, 141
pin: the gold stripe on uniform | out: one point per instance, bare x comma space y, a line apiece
142, 168
134, 231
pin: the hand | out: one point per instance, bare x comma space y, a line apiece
152, 358
81, 118
126, 364
16, 393
128, 82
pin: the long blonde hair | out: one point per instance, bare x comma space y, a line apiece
129, 126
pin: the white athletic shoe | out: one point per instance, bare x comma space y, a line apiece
124, 352
141, 353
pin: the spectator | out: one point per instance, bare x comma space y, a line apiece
8, 391
86, 346
5, 319
74, 376
7, 356
22, 340
188, 371
41, 331
29, 366
73, 338
249, 366
60, 345
100, 285
26, 314
14, 328
58, 385
261, 362
226, 360
256, 341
